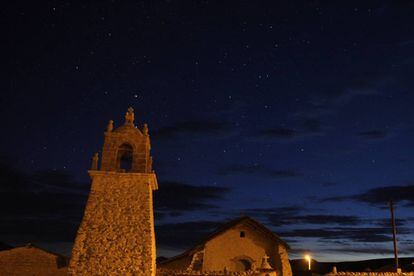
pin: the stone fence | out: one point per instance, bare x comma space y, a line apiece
165, 272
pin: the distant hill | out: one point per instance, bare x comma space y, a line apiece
300, 266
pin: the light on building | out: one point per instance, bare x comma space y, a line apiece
309, 259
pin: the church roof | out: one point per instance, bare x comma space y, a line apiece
248, 220
244, 219
32, 246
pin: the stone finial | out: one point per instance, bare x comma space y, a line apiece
129, 116
149, 164
265, 264
145, 129
95, 160
110, 126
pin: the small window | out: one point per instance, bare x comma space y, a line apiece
242, 234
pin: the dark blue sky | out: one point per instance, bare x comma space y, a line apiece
298, 114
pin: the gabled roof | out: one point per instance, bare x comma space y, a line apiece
244, 219
29, 245
248, 220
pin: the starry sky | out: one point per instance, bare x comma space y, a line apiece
296, 113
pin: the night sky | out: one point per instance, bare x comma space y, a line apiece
298, 114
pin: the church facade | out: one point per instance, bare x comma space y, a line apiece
116, 235
242, 245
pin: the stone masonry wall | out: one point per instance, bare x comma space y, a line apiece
116, 236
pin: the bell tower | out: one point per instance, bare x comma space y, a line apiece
116, 235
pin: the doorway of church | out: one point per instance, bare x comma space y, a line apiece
243, 265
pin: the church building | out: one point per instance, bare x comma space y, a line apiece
241, 245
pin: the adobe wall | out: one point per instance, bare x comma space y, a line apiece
116, 235
223, 250
31, 261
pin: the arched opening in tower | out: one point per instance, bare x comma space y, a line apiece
125, 157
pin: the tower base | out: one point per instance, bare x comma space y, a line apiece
116, 235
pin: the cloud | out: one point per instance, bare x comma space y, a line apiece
350, 94
293, 215
184, 235
362, 250
278, 132
351, 86
256, 169
22, 229
329, 184
202, 127
187, 234
174, 198
304, 128
369, 249
287, 219
324, 219
367, 82
44, 206
373, 134
382, 195
276, 216
311, 126
353, 234
387, 222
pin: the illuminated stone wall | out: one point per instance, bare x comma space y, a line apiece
116, 235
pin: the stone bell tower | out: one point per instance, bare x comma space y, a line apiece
116, 235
